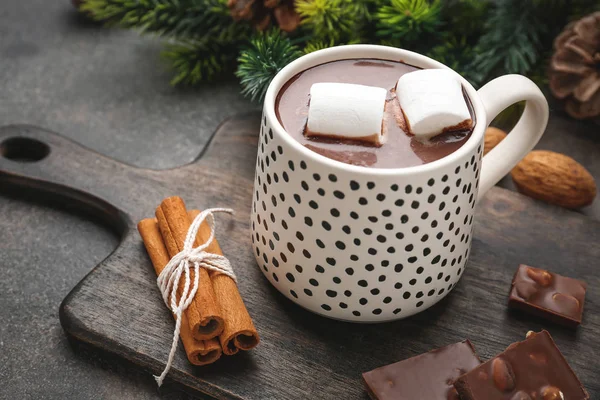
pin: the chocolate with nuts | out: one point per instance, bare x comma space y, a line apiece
548, 295
426, 376
533, 369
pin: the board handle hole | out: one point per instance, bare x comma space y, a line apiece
23, 149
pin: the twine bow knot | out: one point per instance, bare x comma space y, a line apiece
180, 266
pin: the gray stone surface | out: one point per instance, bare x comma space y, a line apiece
39, 267
107, 90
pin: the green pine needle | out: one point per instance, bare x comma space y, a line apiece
189, 19
464, 18
569, 10
198, 61
519, 35
456, 53
511, 43
408, 20
316, 45
364, 8
257, 65
479, 38
330, 19
508, 118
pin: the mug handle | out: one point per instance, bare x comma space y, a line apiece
496, 96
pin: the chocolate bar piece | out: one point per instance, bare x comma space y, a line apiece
548, 295
426, 376
533, 369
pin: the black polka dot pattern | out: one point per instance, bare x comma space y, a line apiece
360, 246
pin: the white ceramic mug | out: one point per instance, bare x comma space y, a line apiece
365, 244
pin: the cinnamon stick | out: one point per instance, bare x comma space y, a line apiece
239, 332
204, 313
198, 352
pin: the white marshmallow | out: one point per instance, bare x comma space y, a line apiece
347, 111
432, 102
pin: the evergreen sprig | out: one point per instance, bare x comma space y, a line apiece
464, 19
267, 54
317, 45
322, 44
189, 19
481, 39
330, 19
456, 53
511, 43
197, 61
408, 20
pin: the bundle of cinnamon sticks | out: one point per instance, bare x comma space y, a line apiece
217, 320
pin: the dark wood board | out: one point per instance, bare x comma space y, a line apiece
117, 307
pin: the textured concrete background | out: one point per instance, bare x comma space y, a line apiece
107, 90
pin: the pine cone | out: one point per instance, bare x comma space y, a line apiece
575, 67
262, 12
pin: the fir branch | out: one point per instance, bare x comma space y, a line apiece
512, 43
408, 20
190, 19
197, 61
457, 54
364, 8
569, 10
519, 36
257, 65
317, 45
463, 19
509, 117
539, 72
331, 19
557, 13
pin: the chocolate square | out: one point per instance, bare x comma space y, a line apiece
426, 376
548, 295
533, 369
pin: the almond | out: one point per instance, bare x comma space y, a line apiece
521, 395
552, 393
493, 136
541, 277
554, 178
503, 375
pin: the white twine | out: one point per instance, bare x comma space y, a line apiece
180, 264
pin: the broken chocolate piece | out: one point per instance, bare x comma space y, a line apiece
426, 376
531, 369
548, 295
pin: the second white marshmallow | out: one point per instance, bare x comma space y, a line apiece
432, 102
346, 111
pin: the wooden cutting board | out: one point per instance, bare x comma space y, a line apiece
117, 306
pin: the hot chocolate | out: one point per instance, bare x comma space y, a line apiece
400, 148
